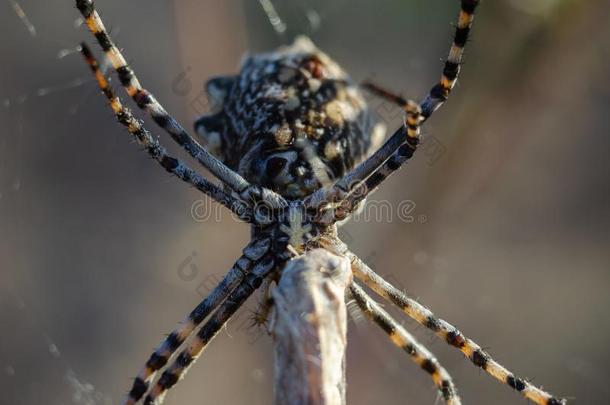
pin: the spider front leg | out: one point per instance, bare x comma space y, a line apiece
209, 330
441, 91
351, 182
146, 101
441, 328
358, 184
251, 255
404, 152
158, 152
405, 341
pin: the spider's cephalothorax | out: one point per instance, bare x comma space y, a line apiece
285, 139
294, 230
291, 121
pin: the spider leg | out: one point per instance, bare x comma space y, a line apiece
207, 332
436, 97
404, 152
451, 335
251, 254
440, 92
405, 341
158, 152
147, 102
351, 180
441, 328
385, 94
364, 179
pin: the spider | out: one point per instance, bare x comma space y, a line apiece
297, 151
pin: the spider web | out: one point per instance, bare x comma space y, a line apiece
290, 18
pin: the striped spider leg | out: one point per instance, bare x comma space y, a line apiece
158, 152
350, 190
146, 101
404, 152
441, 328
210, 329
253, 252
405, 341
440, 92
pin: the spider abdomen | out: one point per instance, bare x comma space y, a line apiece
291, 121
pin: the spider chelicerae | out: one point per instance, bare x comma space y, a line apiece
297, 151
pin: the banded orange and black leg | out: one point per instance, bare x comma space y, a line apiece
158, 152
145, 100
405, 341
209, 330
444, 330
251, 255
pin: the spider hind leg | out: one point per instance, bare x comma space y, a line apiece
251, 254
447, 332
405, 341
209, 330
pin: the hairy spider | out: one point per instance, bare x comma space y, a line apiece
296, 149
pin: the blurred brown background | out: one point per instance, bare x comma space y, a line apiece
100, 255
